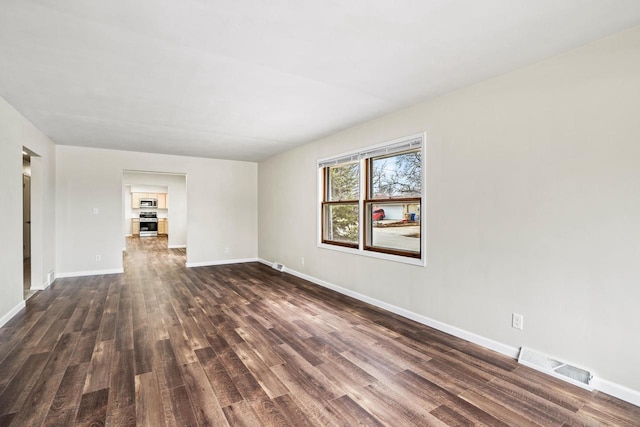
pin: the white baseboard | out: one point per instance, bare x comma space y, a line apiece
220, 262
177, 246
605, 386
265, 262
621, 392
90, 273
4, 319
46, 283
457, 332
44, 286
269, 263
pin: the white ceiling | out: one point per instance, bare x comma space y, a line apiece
246, 79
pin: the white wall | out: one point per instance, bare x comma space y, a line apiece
533, 206
127, 212
176, 188
148, 188
222, 207
16, 132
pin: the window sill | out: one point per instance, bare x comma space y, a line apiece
379, 255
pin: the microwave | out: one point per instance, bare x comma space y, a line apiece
148, 203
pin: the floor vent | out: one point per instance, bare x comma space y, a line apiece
562, 370
277, 266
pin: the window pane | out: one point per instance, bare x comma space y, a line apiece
396, 176
341, 223
344, 182
394, 226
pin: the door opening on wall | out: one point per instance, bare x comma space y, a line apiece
26, 223
155, 209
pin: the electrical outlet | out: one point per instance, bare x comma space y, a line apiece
302, 260
98, 257
517, 321
226, 250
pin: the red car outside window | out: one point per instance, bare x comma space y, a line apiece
378, 214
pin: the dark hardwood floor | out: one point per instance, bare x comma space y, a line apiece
246, 345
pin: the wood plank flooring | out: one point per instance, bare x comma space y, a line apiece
245, 345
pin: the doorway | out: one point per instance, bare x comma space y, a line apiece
26, 224
164, 213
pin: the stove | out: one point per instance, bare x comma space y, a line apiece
148, 224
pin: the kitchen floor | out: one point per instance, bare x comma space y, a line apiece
143, 246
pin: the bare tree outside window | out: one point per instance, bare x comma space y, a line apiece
397, 176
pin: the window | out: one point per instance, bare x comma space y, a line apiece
371, 201
341, 206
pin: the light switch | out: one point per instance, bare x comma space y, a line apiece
95, 211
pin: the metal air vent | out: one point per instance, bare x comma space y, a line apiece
562, 370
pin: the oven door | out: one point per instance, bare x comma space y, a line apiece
148, 228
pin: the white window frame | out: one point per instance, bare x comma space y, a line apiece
362, 155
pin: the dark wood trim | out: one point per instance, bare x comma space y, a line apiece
325, 184
325, 172
365, 223
369, 224
343, 244
365, 217
393, 251
394, 201
323, 238
342, 202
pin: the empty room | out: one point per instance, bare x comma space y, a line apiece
320, 213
